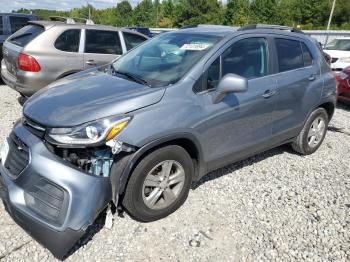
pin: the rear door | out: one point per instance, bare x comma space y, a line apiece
101, 47
299, 85
69, 59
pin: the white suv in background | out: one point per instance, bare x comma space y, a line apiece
339, 50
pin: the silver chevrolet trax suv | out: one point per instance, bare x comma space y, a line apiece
137, 132
45, 51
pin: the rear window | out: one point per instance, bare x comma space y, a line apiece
17, 23
68, 41
290, 55
23, 36
102, 42
132, 40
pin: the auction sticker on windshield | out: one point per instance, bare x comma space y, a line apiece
4, 151
195, 46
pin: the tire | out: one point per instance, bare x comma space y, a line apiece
137, 199
303, 140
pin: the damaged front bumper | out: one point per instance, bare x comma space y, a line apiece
51, 199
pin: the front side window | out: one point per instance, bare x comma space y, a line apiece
17, 23
68, 41
289, 53
102, 42
247, 58
132, 40
166, 59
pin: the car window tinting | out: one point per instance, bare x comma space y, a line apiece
307, 56
289, 53
68, 41
1, 26
17, 23
102, 42
25, 35
247, 58
132, 40
166, 59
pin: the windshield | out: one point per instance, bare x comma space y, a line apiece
339, 44
165, 59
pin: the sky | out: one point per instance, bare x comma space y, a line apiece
9, 5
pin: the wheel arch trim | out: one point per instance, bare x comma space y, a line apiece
122, 175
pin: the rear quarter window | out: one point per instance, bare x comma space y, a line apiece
132, 40
68, 41
23, 36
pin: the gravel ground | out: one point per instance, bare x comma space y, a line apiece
274, 206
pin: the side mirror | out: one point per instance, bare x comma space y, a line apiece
230, 83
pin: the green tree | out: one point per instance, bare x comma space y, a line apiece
193, 12
144, 14
166, 14
124, 13
263, 11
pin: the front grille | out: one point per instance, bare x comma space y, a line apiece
334, 59
18, 156
48, 200
34, 127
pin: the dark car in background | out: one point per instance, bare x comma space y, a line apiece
11, 23
143, 30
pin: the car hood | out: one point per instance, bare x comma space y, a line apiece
337, 53
88, 96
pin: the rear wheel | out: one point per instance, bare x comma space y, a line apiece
313, 133
159, 184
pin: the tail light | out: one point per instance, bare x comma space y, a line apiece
28, 63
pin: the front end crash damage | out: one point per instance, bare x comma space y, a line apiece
56, 193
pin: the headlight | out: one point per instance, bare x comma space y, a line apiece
344, 59
95, 132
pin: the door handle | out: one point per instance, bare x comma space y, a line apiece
269, 93
312, 77
91, 62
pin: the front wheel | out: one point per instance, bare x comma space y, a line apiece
160, 183
313, 133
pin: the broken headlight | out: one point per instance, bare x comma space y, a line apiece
91, 133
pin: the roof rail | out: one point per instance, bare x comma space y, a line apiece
71, 20
274, 27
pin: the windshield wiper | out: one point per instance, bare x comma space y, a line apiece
133, 77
